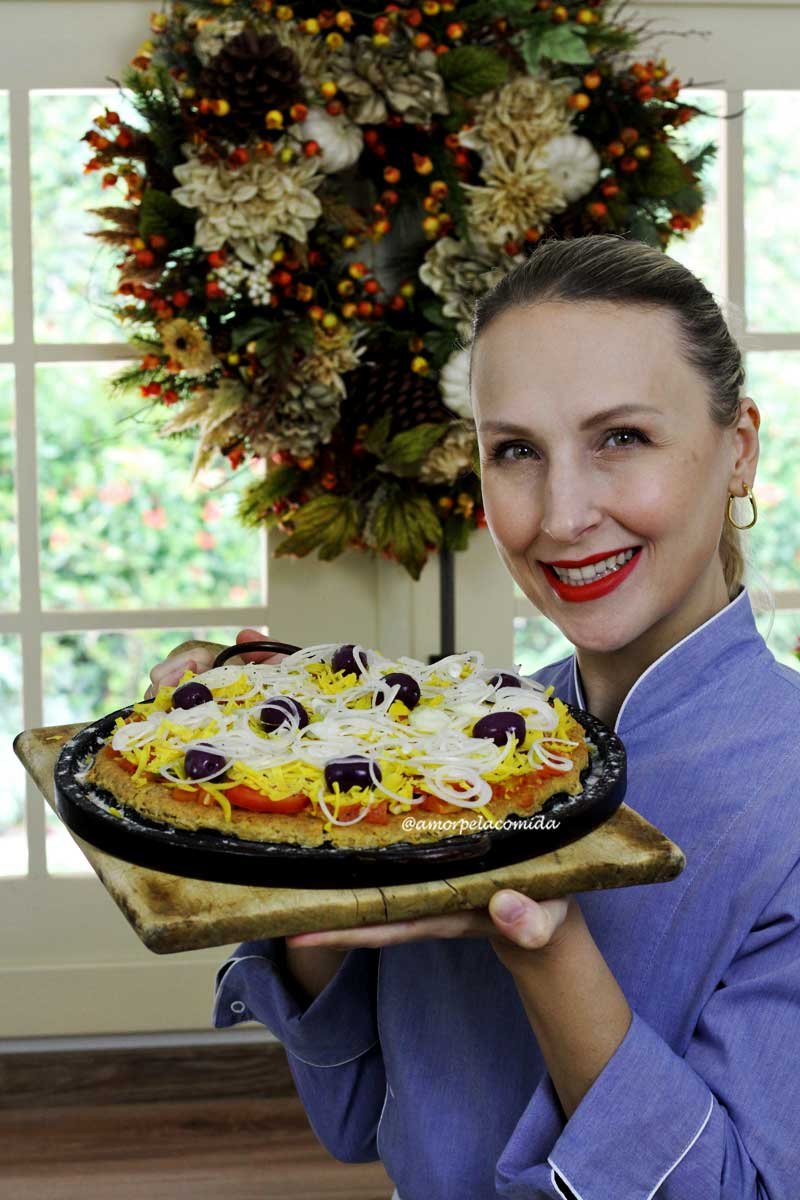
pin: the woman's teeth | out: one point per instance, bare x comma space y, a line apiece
579, 575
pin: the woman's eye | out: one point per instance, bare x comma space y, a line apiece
506, 452
499, 452
626, 433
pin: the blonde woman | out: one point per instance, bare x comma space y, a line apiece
622, 1044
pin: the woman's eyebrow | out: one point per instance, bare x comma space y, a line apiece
597, 419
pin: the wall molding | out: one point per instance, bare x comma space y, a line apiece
158, 1074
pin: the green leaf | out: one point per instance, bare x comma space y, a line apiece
432, 312
664, 173
439, 345
405, 524
482, 12
687, 199
472, 70
644, 229
159, 213
559, 44
258, 498
249, 331
375, 440
276, 342
456, 533
459, 113
328, 522
705, 154
406, 451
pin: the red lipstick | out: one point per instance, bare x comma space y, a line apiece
598, 587
593, 558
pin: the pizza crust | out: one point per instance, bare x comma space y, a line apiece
520, 794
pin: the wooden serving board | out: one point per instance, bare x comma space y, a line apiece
171, 912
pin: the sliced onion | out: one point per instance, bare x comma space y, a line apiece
336, 729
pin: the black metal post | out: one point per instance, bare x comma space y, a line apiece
447, 606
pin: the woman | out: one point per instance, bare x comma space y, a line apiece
631, 1043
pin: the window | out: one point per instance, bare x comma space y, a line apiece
122, 557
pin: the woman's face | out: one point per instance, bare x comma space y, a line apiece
575, 480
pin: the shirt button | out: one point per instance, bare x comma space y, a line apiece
238, 1006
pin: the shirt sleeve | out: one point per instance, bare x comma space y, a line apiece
721, 1121
332, 1043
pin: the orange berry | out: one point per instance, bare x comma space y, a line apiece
579, 101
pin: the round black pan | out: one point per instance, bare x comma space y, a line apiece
216, 856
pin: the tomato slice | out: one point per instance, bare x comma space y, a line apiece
377, 815
129, 766
242, 796
437, 805
197, 794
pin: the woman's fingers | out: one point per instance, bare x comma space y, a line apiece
472, 922
531, 924
257, 656
171, 670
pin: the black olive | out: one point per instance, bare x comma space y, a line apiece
344, 660
503, 679
200, 764
190, 694
350, 772
498, 726
409, 688
275, 713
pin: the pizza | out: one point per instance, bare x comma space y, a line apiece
338, 745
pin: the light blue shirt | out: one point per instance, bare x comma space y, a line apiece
422, 1055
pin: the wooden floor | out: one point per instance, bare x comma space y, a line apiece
120, 1127
182, 1150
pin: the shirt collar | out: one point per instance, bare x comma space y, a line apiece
721, 643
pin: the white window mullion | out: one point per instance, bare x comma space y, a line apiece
76, 352
28, 621
72, 620
732, 207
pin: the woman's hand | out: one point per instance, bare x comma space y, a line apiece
539, 925
199, 657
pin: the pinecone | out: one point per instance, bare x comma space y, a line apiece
254, 72
390, 384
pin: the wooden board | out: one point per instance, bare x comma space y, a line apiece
171, 913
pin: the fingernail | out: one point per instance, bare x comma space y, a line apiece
508, 907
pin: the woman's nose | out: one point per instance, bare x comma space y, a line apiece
571, 504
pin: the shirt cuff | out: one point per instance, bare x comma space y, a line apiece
337, 1026
646, 1097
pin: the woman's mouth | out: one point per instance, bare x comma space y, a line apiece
593, 581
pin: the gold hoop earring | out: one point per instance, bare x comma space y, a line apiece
752, 500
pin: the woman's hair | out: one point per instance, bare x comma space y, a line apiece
615, 268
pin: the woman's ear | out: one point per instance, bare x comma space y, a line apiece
746, 445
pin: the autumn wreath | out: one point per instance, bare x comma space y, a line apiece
312, 198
